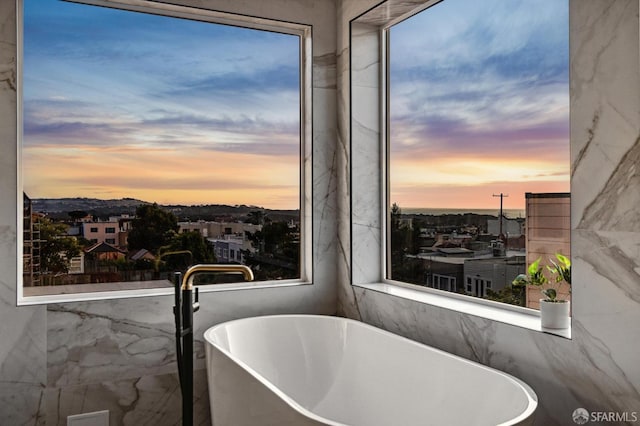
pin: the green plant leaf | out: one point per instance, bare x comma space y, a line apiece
534, 267
564, 260
550, 293
536, 276
561, 268
520, 281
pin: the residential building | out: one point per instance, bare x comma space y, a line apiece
228, 250
512, 227
104, 251
218, 229
491, 273
102, 232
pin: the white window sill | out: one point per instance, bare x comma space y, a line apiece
108, 291
513, 315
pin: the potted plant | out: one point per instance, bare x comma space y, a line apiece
554, 312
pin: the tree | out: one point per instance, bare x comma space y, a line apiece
416, 237
76, 215
399, 237
277, 251
186, 249
152, 228
404, 240
256, 217
512, 294
56, 248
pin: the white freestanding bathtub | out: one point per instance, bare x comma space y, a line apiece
303, 370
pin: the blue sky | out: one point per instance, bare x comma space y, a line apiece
480, 103
125, 104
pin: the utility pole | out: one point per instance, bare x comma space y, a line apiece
501, 215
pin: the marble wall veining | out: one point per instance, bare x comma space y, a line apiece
70, 358
598, 368
23, 333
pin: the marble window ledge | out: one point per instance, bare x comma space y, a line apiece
525, 318
113, 292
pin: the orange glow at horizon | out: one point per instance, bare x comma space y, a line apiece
459, 183
165, 176
473, 172
472, 197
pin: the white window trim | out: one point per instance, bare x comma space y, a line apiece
304, 32
369, 87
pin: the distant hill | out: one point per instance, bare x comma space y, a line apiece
59, 205
59, 208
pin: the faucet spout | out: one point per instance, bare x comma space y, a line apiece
187, 280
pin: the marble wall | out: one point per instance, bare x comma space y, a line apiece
119, 355
23, 332
597, 369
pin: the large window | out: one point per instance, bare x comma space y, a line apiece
478, 145
155, 137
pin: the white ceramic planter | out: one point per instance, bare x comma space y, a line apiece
554, 314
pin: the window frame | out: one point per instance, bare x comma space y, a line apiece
385, 41
304, 34
368, 84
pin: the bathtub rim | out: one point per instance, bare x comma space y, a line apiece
532, 398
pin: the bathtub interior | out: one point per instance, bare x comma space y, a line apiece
355, 374
299, 358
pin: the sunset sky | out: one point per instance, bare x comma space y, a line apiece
122, 104
480, 103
